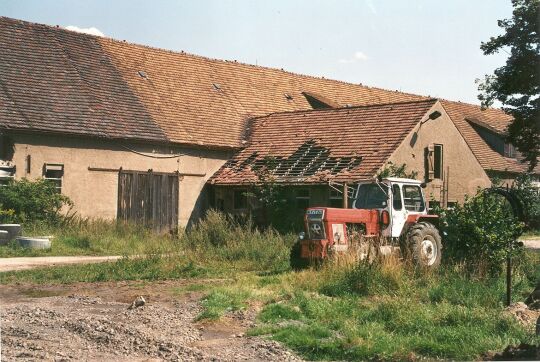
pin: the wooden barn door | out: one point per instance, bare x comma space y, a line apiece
149, 199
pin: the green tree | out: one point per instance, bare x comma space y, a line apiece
517, 84
393, 170
270, 195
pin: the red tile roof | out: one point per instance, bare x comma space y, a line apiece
345, 144
54, 80
463, 114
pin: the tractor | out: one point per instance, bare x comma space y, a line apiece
390, 209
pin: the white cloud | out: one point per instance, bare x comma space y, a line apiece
357, 56
360, 56
91, 30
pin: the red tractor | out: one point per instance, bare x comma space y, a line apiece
392, 209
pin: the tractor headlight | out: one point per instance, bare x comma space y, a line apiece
302, 235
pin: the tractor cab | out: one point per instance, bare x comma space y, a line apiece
400, 201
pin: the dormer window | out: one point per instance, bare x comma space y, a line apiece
317, 101
510, 150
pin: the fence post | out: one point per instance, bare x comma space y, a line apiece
508, 280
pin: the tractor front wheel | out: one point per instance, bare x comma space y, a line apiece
424, 245
297, 262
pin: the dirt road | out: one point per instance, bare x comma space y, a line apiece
532, 244
92, 322
8, 264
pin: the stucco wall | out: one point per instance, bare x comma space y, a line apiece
94, 193
465, 173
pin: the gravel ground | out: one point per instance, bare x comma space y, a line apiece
81, 327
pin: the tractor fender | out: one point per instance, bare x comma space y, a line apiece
415, 219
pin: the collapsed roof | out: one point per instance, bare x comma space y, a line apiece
344, 144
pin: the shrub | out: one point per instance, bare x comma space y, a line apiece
33, 201
529, 197
6, 216
482, 232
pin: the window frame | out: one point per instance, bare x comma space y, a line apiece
440, 164
244, 204
58, 181
335, 195
302, 198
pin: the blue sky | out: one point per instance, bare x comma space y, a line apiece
428, 47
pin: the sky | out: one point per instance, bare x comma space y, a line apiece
428, 47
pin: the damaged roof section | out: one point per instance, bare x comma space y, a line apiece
345, 144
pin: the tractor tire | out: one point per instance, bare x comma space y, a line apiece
297, 262
424, 245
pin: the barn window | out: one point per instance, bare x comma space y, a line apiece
335, 198
54, 172
240, 200
434, 161
438, 161
302, 198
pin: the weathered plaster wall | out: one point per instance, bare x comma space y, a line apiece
465, 173
94, 193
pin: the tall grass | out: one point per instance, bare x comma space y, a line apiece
219, 238
390, 310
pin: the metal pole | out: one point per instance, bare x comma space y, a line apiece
345, 196
508, 280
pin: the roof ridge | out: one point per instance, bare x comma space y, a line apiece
181, 52
473, 105
347, 108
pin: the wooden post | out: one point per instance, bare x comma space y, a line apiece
345, 196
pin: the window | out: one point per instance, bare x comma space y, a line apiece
335, 198
434, 161
371, 196
438, 162
54, 173
302, 198
396, 193
509, 150
412, 195
240, 200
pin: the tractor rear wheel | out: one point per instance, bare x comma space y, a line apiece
424, 245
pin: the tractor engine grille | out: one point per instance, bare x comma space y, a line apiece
316, 230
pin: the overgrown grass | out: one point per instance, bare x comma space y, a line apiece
94, 237
215, 246
382, 311
345, 310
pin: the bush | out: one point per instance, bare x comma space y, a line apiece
529, 197
482, 232
32, 201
